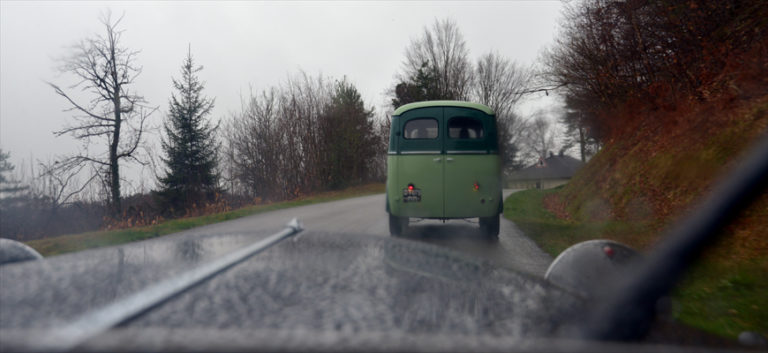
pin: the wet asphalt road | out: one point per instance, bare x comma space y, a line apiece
366, 215
343, 279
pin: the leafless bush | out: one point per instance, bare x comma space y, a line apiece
306, 135
650, 51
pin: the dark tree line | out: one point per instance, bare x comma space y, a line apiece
349, 139
307, 135
651, 51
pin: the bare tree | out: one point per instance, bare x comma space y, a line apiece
652, 52
441, 51
115, 115
500, 84
254, 143
227, 157
304, 99
538, 138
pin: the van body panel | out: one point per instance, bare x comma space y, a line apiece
426, 175
462, 173
448, 152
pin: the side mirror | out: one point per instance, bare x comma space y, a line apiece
587, 267
13, 251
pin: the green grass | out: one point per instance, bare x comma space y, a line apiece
77, 242
554, 235
720, 297
725, 299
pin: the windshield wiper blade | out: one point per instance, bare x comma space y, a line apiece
628, 311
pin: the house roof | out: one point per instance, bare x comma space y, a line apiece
554, 167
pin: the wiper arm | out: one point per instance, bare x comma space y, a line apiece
95, 322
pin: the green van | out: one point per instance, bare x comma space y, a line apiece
443, 163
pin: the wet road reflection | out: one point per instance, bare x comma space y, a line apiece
190, 250
466, 237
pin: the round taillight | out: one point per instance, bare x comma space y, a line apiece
410, 187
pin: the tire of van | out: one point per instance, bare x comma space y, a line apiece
490, 227
397, 225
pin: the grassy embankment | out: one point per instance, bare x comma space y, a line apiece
76, 242
634, 188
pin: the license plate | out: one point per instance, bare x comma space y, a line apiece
411, 195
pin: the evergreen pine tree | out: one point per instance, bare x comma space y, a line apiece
189, 145
421, 87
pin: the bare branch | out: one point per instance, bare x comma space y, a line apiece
75, 105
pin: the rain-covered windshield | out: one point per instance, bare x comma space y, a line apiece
457, 175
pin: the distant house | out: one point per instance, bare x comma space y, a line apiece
546, 174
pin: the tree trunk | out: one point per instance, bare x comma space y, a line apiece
582, 145
114, 168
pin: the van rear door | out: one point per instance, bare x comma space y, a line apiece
420, 163
472, 164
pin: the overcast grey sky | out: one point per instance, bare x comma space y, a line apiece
241, 44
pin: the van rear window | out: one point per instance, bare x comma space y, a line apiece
420, 129
465, 128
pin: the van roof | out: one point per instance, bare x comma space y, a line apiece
425, 104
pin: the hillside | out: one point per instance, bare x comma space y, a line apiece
650, 174
657, 172
673, 93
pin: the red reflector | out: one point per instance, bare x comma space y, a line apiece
476, 186
608, 251
410, 187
